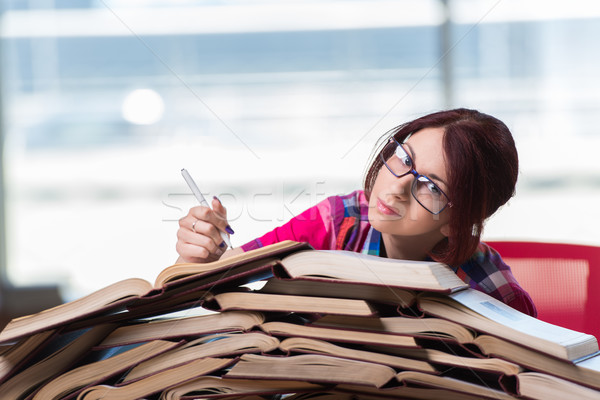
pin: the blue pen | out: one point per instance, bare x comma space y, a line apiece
202, 200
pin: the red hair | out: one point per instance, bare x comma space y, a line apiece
483, 165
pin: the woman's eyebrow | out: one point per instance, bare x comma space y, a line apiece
431, 176
412, 152
437, 178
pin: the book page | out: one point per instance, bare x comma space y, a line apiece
182, 270
591, 363
341, 265
501, 313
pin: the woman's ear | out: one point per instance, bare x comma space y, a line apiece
445, 230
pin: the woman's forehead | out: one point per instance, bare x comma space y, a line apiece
427, 150
428, 141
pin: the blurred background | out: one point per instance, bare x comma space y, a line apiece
273, 106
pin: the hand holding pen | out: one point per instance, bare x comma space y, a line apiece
203, 234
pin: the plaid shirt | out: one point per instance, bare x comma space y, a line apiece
341, 223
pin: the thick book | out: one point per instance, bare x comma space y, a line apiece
537, 385
585, 371
376, 294
230, 321
155, 383
430, 327
56, 362
183, 273
485, 314
111, 297
287, 329
172, 281
71, 382
18, 354
350, 267
323, 396
314, 368
294, 345
404, 392
447, 359
217, 387
267, 302
218, 345
482, 390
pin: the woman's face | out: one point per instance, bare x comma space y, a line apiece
393, 209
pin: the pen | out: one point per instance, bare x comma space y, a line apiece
202, 200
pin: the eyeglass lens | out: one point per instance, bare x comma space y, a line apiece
423, 189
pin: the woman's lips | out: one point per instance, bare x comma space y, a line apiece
385, 209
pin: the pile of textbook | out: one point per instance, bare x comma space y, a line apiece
289, 322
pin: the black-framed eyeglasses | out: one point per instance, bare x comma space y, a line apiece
423, 189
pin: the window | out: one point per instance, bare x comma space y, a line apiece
105, 101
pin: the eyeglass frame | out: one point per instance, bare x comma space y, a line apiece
415, 175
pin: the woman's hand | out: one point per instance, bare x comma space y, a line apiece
199, 235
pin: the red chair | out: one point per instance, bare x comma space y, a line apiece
562, 279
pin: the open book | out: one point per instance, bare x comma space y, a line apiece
171, 282
218, 345
18, 354
82, 376
341, 290
404, 392
235, 300
142, 331
217, 387
311, 368
482, 390
279, 328
491, 365
585, 371
479, 311
350, 267
155, 383
56, 362
316, 346
419, 327
536, 385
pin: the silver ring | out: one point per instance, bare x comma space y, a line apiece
194, 225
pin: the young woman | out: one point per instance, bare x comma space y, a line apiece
426, 196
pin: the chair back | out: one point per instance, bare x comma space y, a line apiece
562, 279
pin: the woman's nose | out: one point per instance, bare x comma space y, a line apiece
401, 187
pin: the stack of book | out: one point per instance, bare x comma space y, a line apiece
289, 322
